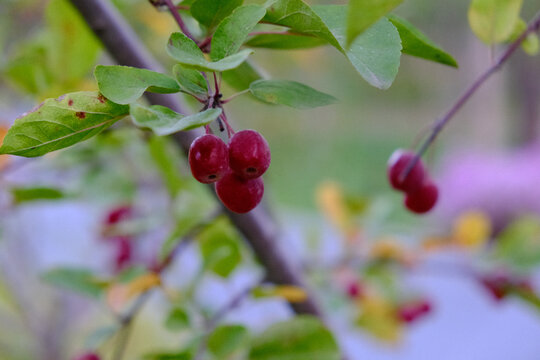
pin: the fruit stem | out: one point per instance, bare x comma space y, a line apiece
439, 124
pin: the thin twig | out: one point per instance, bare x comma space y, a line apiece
174, 12
234, 96
438, 126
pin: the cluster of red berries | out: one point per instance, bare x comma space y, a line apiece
236, 168
421, 193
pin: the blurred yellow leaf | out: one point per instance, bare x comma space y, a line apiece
378, 317
331, 201
118, 295
388, 249
434, 243
159, 22
471, 230
293, 294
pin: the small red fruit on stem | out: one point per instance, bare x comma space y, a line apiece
208, 158
249, 154
239, 195
397, 164
88, 356
423, 199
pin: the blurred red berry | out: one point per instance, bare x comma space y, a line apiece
123, 252
354, 290
398, 163
411, 312
423, 199
498, 285
88, 356
118, 214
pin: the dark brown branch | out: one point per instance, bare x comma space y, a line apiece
258, 226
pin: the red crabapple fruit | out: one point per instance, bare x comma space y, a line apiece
423, 199
239, 195
249, 154
397, 164
208, 158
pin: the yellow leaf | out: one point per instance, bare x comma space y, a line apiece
471, 230
378, 317
388, 249
293, 294
434, 243
331, 201
119, 295
493, 21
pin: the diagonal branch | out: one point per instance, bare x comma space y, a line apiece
258, 227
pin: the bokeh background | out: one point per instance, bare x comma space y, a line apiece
486, 162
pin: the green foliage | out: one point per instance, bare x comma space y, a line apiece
186, 52
290, 93
54, 62
228, 340
81, 281
28, 194
62, 122
531, 44
211, 12
241, 77
220, 247
178, 319
301, 338
519, 243
364, 13
493, 21
285, 41
417, 44
234, 29
375, 54
167, 159
164, 121
190, 81
125, 84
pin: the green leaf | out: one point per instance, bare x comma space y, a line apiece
164, 121
28, 69
178, 319
493, 21
191, 81
234, 29
301, 338
375, 54
531, 44
364, 13
62, 122
168, 162
179, 355
21, 195
417, 44
220, 248
78, 280
519, 243
210, 12
285, 40
226, 340
125, 84
290, 93
73, 47
186, 52
241, 77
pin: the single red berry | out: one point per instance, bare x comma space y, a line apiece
118, 214
123, 253
423, 199
354, 290
208, 158
88, 356
249, 154
239, 195
397, 164
498, 285
411, 312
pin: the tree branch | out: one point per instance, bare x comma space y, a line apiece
258, 227
439, 125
